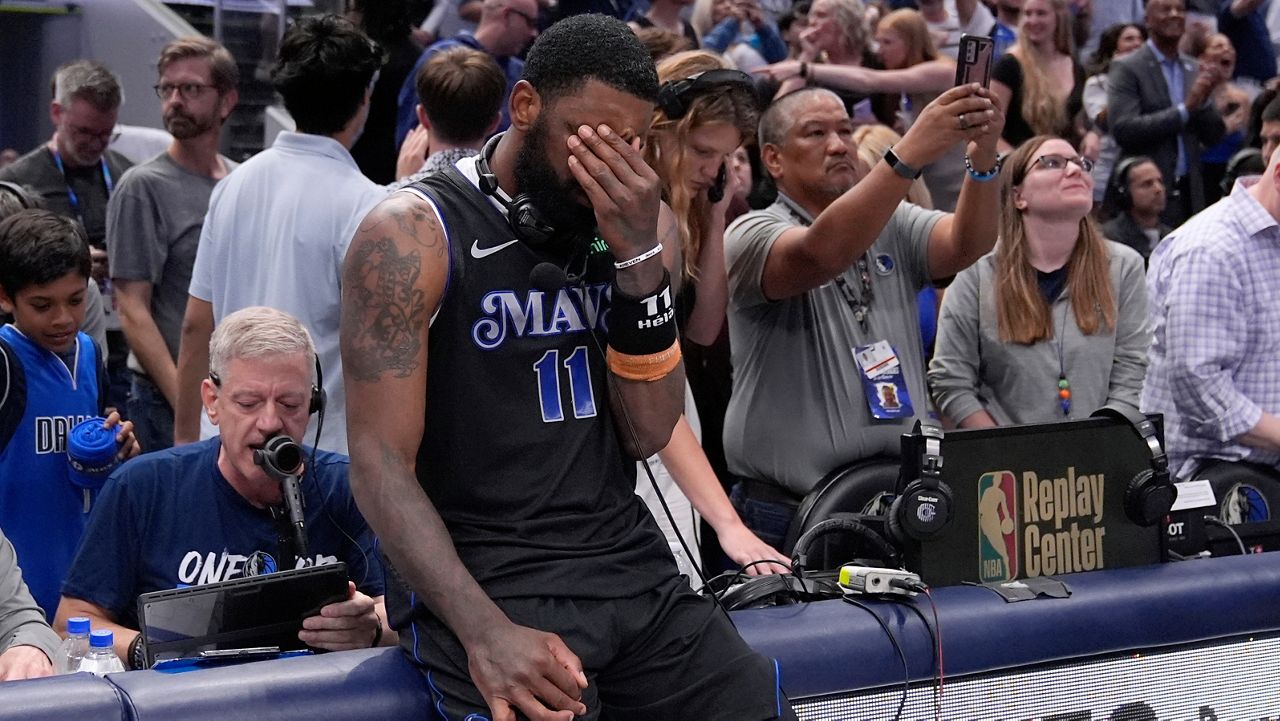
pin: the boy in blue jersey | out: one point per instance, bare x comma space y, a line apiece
50, 380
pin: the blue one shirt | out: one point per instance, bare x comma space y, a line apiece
41, 398
170, 519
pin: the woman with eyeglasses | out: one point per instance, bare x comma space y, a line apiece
1038, 82
1052, 324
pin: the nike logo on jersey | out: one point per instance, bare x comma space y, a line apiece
478, 252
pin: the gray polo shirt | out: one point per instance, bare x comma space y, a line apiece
798, 410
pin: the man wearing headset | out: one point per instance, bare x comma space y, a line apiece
206, 512
1139, 191
492, 430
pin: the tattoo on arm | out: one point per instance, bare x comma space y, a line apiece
388, 308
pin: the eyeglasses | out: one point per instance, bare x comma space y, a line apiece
105, 136
1059, 162
188, 91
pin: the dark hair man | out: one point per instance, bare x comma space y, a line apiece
460, 92
278, 227
1138, 188
1269, 129
491, 445
154, 221
823, 287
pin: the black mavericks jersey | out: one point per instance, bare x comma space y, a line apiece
519, 452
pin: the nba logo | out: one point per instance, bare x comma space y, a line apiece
997, 527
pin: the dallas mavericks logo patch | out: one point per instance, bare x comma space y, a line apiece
1244, 503
884, 264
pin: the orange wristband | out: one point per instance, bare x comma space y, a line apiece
648, 368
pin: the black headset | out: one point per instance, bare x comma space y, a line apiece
776, 589
24, 196
1120, 180
524, 217
851, 524
675, 96
925, 507
1149, 496
1246, 161
318, 399
785, 588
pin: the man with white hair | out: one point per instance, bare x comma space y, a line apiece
206, 512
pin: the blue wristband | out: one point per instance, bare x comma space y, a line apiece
980, 177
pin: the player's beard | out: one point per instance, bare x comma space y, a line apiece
551, 195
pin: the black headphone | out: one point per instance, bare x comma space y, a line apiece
925, 506
786, 588
1150, 495
1246, 161
25, 199
852, 524
776, 589
318, 399
675, 95
523, 216
1120, 180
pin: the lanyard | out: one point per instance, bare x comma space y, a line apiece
860, 303
72, 198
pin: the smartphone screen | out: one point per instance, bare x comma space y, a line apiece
974, 60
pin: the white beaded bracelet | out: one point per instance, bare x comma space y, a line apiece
639, 258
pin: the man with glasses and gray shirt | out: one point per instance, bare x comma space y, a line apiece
154, 220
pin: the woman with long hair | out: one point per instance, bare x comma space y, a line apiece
1099, 145
691, 143
1052, 324
1038, 82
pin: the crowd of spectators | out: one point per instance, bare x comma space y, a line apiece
1092, 225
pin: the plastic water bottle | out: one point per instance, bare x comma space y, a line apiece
101, 659
74, 647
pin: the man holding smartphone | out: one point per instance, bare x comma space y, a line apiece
823, 284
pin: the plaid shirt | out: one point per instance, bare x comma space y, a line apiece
1215, 309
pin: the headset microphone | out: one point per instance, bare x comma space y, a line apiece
281, 458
